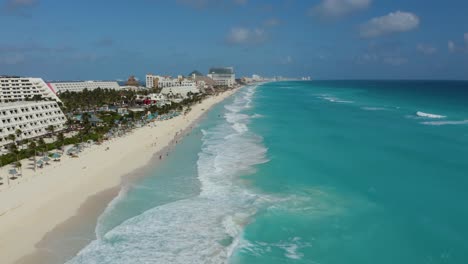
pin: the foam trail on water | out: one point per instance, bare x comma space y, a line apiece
334, 99
368, 108
202, 229
429, 115
442, 123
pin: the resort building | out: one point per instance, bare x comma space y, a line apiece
152, 99
179, 86
32, 118
13, 89
79, 86
223, 76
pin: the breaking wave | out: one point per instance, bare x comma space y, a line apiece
429, 115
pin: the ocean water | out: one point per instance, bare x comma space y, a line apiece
305, 172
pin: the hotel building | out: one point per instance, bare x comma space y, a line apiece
79, 86
18, 111
223, 76
168, 85
13, 89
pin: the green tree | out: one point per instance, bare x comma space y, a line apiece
50, 129
11, 137
42, 145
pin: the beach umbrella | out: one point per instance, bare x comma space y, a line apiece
56, 156
13, 172
39, 162
46, 159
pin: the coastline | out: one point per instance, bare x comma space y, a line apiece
45, 202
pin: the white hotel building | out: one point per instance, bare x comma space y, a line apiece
168, 85
79, 86
13, 89
31, 117
223, 76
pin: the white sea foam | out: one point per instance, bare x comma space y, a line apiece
291, 248
442, 123
202, 229
368, 108
334, 99
429, 115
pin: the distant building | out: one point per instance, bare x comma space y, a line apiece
257, 78
152, 98
132, 81
223, 76
79, 86
204, 83
152, 81
170, 86
33, 119
13, 89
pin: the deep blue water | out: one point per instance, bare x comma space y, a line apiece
306, 172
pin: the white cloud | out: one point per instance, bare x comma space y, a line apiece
272, 22
451, 46
426, 49
21, 3
390, 59
338, 8
395, 22
245, 36
395, 61
19, 7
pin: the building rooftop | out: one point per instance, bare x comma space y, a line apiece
89, 81
9, 76
197, 73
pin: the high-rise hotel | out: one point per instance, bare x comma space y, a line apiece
28, 105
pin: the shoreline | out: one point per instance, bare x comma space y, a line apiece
58, 239
44, 203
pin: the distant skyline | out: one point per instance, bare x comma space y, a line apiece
324, 39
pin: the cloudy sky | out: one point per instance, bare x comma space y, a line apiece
326, 39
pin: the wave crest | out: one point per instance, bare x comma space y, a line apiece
429, 115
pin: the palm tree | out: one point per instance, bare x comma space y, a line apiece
42, 145
69, 123
32, 147
61, 138
8, 177
18, 133
50, 129
14, 150
20, 166
11, 137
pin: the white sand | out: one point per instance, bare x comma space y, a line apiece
33, 205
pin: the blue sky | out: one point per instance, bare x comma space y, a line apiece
326, 39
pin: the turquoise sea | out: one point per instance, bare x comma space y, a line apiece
322, 172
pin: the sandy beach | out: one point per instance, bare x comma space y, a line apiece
44, 200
